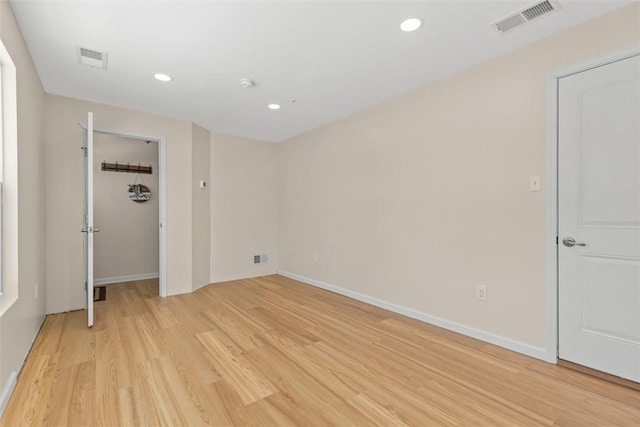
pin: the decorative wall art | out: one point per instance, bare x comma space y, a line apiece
137, 192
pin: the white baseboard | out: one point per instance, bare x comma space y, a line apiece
498, 340
7, 391
120, 279
10, 385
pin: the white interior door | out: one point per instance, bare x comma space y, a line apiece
88, 228
599, 208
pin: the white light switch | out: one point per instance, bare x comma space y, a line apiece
534, 183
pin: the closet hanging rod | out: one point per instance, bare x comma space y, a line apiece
126, 167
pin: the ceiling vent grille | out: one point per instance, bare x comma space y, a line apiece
92, 58
510, 23
525, 15
537, 10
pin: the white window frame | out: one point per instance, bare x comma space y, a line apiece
1, 187
9, 178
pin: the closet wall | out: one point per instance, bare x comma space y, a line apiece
127, 246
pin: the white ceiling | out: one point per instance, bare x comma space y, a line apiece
333, 57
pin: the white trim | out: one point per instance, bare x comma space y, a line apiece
9, 171
120, 279
162, 200
162, 196
88, 235
7, 391
552, 186
517, 346
552, 219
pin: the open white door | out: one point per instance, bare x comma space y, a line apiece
88, 228
599, 218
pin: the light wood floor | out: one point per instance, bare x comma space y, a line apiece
272, 351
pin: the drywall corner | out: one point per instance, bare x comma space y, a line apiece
244, 219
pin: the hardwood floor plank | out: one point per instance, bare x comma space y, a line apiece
376, 413
32, 399
213, 404
249, 385
186, 353
263, 412
378, 380
300, 387
130, 409
270, 351
51, 333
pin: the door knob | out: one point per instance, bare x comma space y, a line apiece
90, 230
570, 242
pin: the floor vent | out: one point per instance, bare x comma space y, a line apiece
92, 58
526, 15
99, 293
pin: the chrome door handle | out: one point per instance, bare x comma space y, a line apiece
90, 230
570, 242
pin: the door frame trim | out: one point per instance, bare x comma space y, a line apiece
552, 185
162, 196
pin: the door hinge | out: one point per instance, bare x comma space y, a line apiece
556, 240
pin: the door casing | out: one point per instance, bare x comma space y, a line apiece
552, 187
162, 195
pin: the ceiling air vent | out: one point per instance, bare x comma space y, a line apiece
510, 23
92, 58
537, 10
525, 15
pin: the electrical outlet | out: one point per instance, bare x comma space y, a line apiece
315, 258
36, 290
481, 292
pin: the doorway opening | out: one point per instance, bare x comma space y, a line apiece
158, 146
127, 247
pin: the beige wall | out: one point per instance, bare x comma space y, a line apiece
64, 197
201, 213
20, 323
419, 199
127, 245
413, 202
243, 207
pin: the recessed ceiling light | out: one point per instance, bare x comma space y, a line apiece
410, 24
162, 77
274, 106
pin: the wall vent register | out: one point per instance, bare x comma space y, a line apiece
260, 259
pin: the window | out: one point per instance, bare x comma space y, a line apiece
1, 188
8, 182
1, 236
